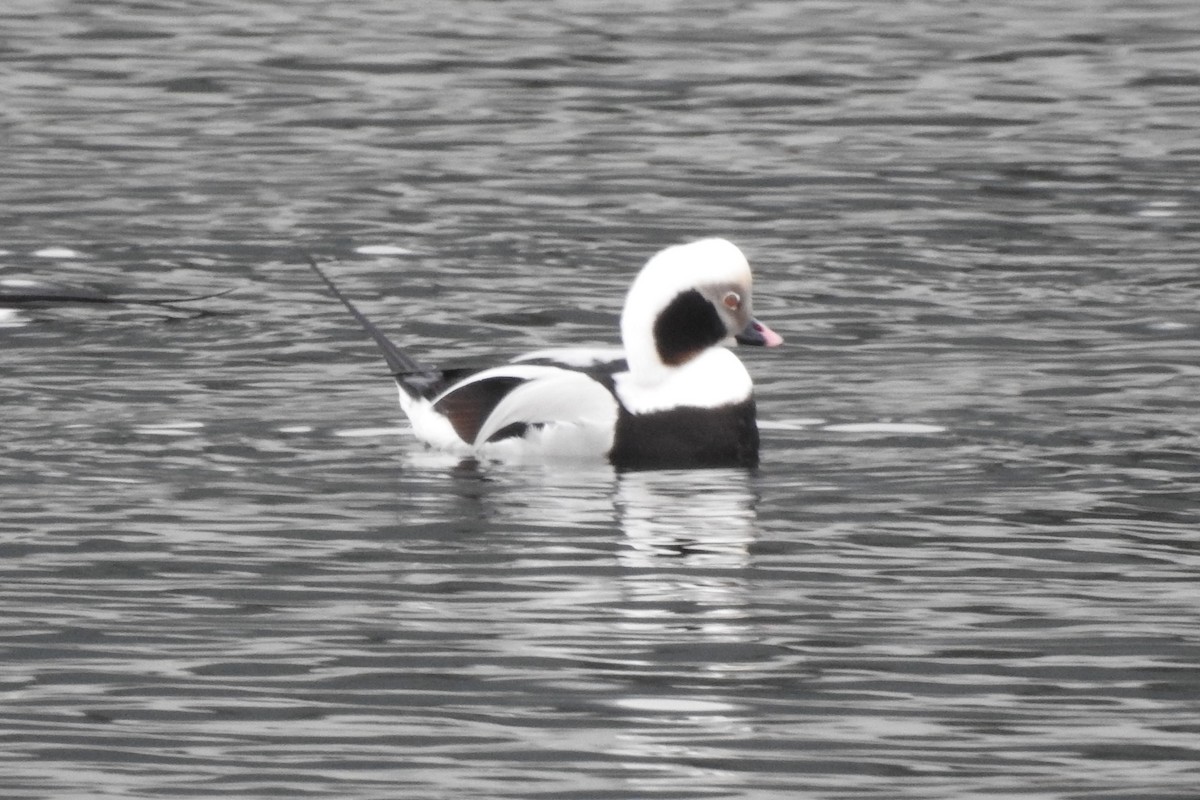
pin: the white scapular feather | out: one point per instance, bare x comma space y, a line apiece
559, 397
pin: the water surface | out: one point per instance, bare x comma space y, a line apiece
966, 568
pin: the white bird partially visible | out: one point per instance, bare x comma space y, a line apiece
673, 397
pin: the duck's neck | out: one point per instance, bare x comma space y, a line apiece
641, 353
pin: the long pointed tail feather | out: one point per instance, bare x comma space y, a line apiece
400, 362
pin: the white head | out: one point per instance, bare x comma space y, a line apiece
687, 299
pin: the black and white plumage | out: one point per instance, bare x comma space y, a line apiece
673, 397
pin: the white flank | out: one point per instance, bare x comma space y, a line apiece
576, 415
563, 397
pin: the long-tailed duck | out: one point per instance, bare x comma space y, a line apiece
674, 397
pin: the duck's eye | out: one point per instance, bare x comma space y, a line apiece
732, 300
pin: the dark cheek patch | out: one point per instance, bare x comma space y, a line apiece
688, 325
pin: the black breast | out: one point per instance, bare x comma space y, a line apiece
681, 438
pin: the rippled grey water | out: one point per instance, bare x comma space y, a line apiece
968, 566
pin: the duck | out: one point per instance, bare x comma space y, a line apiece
673, 396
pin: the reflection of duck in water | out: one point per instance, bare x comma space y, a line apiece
684, 559
674, 397
708, 517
